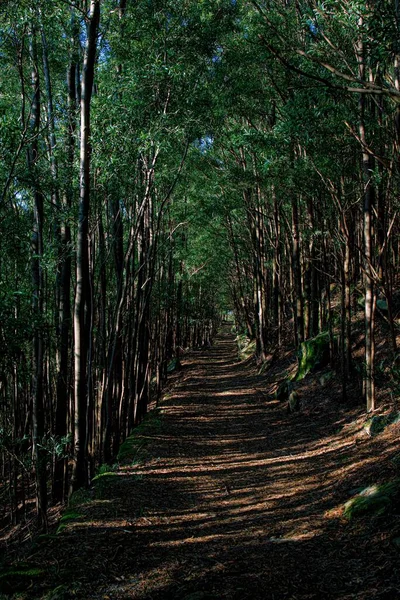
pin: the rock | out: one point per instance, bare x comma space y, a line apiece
197, 596
266, 364
374, 500
313, 354
382, 306
174, 365
396, 542
248, 350
325, 378
293, 402
374, 425
378, 423
361, 506
284, 390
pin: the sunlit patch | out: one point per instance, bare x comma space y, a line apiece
231, 482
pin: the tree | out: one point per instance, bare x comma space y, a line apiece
83, 299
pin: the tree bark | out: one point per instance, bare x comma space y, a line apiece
369, 200
59, 488
38, 451
82, 308
296, 267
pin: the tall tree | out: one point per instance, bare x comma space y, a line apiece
83, 307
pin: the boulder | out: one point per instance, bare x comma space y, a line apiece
313, 355
173, 365
382, 306
325, 378
293, 402
284, 390
374, 500
266, 364
378, 423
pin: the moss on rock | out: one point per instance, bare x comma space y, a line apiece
374, 500
313, 355
284, 390
378, 423
293, 402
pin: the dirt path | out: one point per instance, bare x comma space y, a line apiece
231, 501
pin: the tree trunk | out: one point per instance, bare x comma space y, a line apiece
296, 267
38, 451
82, 316
59, 490
369, 198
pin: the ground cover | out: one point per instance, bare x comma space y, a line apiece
222, 493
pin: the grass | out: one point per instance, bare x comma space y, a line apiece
18, 577
133, 449
70, 516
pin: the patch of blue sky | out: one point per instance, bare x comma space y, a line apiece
204, 144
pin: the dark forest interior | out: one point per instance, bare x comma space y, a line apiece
190, 191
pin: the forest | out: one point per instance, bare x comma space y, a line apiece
169, 166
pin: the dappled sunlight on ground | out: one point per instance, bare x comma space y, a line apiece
232, 498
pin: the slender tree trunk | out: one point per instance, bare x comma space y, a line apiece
296, 267
241, 295
277, 292
82, 317
369, 198
64, 283
397, 79
38, 451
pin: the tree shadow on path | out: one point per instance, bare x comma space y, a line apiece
231, 500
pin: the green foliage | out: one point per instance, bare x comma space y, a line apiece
70, 515
103, 485
22, 571
57, 446
104, 479
81, 496
382, 306
106, 469
209, 119
61, 592
102, 476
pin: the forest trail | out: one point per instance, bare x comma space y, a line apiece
230, 499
